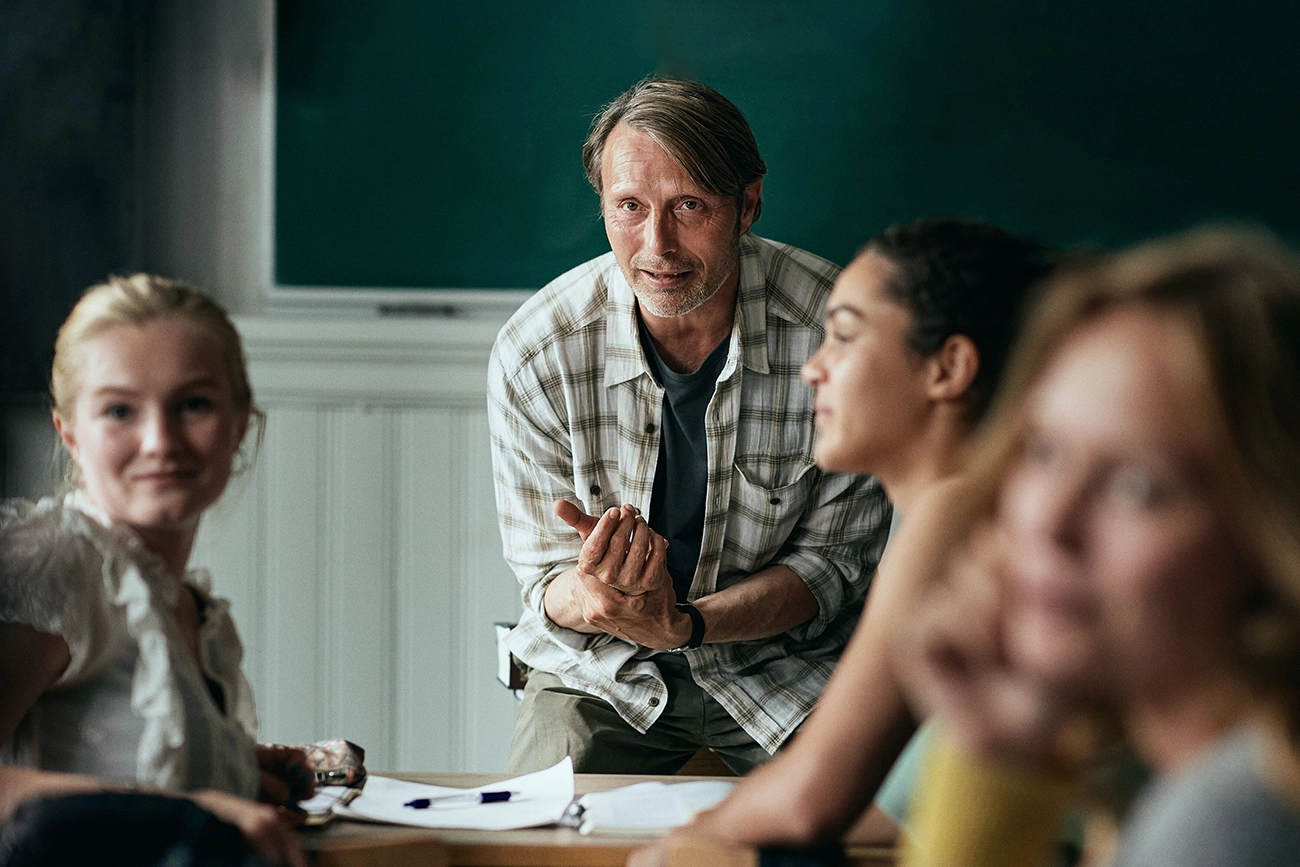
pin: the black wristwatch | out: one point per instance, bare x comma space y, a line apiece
697, 628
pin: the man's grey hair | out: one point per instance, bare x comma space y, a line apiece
697, 126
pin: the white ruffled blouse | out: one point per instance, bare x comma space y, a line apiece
132, 705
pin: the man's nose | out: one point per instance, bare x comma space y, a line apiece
661, 233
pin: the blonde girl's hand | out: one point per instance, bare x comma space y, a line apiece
952, 663
286, 776
269, 830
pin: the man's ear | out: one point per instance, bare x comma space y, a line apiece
749, 204
66, 434
952, 369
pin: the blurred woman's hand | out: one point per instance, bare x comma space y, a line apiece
287, 777
953, 663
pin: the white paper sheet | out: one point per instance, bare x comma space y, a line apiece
647, 808
320, 808
542, 799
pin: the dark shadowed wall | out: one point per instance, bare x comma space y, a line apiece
68, 197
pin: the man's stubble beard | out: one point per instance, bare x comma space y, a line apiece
680, 302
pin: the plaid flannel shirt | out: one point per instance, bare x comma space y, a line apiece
574, 414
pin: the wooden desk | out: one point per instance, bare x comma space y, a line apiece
347, 843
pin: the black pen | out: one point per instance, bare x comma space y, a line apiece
461, 798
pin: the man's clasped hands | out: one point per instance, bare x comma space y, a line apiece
621, 584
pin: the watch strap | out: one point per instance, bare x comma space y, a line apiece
697, 627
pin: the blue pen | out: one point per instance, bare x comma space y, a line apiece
462, 798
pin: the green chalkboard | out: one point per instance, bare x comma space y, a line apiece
436, 144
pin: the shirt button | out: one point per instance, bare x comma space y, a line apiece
654, 701
650, 427
595, 490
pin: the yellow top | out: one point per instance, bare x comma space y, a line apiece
977, 812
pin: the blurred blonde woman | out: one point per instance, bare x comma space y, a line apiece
118, 667
1138, 556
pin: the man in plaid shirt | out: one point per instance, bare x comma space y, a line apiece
689, 577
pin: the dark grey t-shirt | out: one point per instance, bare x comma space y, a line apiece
681, 478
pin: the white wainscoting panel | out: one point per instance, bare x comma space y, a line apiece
361, 553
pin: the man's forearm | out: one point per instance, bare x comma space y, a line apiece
648, 619
766, 603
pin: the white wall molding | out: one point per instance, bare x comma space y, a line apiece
372, 363
373, 340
